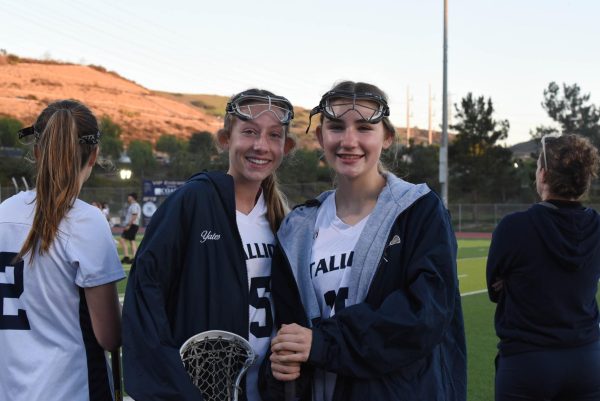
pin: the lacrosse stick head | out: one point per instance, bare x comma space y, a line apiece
216, 362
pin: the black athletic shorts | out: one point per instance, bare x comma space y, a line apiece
130, 233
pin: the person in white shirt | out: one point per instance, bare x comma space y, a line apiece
106, 212
58, 268
132, 225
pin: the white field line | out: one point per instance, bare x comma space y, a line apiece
466, 294
121, 298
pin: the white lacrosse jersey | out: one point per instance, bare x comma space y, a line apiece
258, 242
330, 264
48, 349
133, 208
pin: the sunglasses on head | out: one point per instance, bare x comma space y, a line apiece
30, 132
370, 107
248, 106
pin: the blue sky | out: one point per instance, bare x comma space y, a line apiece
508, 50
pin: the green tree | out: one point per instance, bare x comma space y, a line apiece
420, 164
199, 153
572, 110
8, 131
170, 144
202, 143
300, 167
479, 167
16, 167
142, 158
111, 143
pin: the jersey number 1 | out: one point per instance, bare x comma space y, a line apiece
11, 290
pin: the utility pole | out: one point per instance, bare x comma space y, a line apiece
407, 117
430, 137
444, 144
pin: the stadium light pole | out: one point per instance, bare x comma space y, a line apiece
444, 140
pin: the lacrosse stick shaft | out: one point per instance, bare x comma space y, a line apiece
115, 358
290, 391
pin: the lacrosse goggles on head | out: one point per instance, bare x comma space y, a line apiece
28, 135
372, 108
250, 105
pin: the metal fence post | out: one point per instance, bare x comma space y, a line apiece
495, 214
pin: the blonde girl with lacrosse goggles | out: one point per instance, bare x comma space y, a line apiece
364, 280
205, 260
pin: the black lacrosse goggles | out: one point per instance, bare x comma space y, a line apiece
28, 132
334, 104
249, 105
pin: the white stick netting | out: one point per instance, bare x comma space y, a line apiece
216, 364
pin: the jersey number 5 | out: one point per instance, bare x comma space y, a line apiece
11, 289
256, 329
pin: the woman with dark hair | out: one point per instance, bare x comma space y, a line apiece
205, 260
542, 271
59, 308
364, 277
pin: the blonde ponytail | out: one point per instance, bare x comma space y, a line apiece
275, 200
60, 159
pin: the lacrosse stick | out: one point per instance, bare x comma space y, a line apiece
290, 391
216, 362
115, 359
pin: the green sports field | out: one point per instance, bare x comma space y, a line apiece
478, 314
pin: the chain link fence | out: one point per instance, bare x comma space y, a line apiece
116, 198
466, 217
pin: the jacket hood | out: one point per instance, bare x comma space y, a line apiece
570, 235
223, 184
297, 234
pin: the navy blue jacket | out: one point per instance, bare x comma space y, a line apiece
189, 276
405, 340
548, 258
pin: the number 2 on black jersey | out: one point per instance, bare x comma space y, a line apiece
12, 290
263, 302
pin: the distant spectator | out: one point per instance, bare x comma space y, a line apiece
132, 225
543, 270
106, 212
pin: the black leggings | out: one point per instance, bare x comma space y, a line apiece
571, 374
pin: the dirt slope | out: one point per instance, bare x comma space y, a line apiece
27, 87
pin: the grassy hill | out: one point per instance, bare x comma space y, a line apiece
214, 105
27, 86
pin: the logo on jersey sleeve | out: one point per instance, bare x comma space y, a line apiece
395, 240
